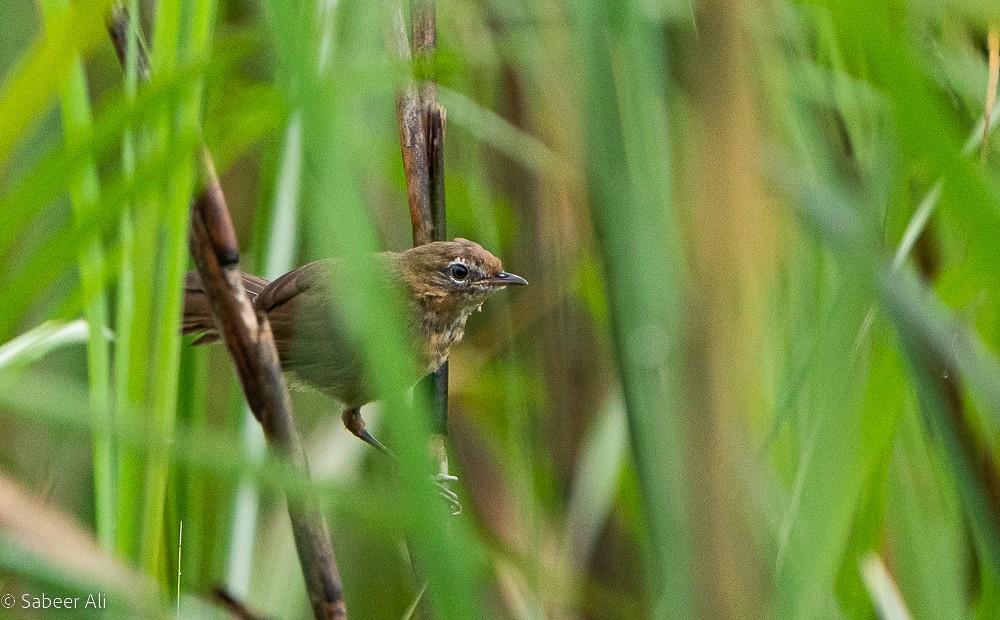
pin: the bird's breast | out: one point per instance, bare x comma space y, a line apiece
439, 336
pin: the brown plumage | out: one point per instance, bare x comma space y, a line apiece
440, 284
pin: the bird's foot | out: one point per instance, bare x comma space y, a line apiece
450, 497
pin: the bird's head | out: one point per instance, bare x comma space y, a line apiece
455, 275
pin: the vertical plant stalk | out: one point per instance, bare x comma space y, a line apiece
248, 338
174, 124
125, 37
134, 306
629, 191
421, 138
732, 246
421, 134
84, 197
993, 44
439, 232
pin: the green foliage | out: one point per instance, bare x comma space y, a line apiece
755, 372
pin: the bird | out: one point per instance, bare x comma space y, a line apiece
440, 285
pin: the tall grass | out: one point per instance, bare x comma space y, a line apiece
84, 196
754, 372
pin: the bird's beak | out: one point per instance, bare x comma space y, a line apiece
504, 279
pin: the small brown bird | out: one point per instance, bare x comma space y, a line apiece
440, 284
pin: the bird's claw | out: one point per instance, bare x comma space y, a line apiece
450, 497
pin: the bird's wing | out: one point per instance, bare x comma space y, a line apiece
321, 273
286, 287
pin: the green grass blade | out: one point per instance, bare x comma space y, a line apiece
84, 198
633, 226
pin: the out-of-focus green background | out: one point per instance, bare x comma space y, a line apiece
755, 373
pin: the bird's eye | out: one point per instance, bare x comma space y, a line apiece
458, 271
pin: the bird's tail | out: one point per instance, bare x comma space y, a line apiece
198, 317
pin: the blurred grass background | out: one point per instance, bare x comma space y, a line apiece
755, 373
